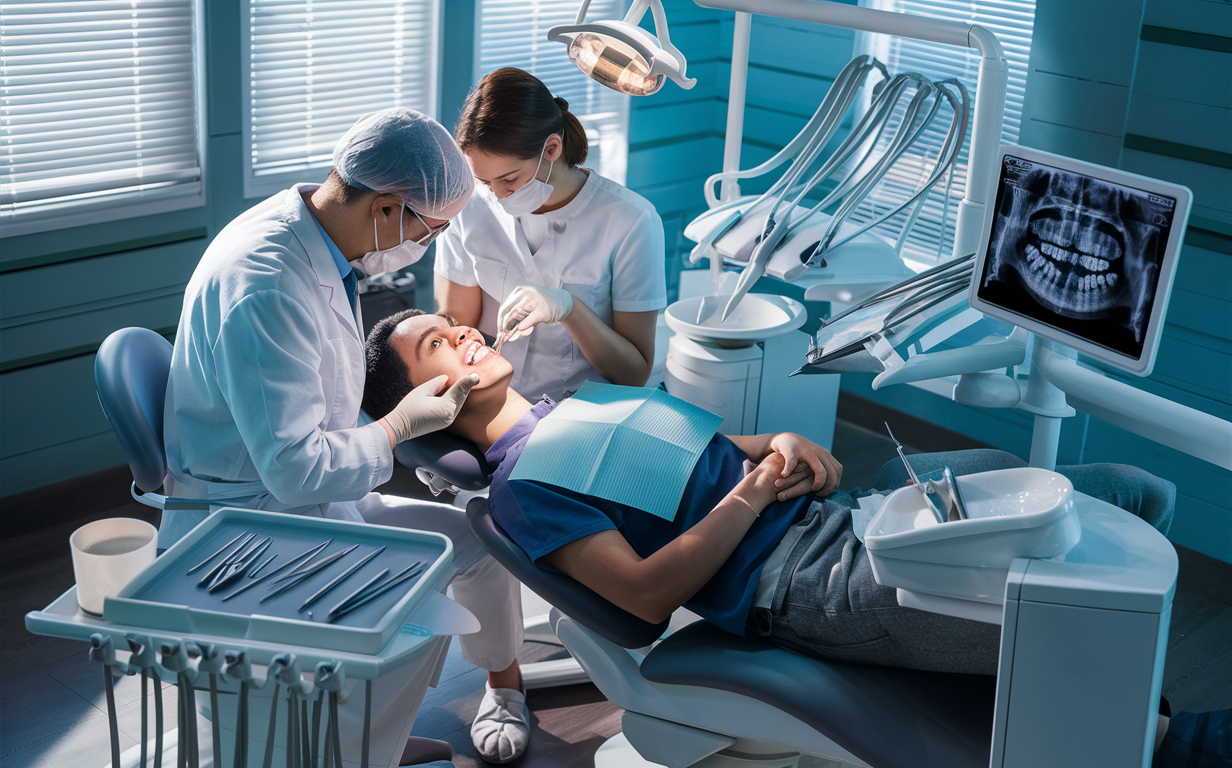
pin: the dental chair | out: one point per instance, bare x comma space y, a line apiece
130, 375
703, 697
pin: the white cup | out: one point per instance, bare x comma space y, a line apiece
107, 554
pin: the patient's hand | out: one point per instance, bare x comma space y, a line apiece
767, 484
797, 450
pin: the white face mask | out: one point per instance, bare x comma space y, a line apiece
404, 254
530, 196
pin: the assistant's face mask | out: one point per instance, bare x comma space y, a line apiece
532, 195
404, 254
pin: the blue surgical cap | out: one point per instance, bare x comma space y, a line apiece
403, 152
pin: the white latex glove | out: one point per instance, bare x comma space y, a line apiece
530, 305
422, 411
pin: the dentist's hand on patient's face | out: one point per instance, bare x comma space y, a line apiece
425, 409
797, 451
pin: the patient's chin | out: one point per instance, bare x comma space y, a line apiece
496, 373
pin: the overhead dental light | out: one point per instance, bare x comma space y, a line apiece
622, 55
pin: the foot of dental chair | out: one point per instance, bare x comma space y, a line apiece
420, 750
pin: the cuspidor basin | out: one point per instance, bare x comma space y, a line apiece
1025, 512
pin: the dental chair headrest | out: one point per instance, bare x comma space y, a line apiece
454, 459
578, 602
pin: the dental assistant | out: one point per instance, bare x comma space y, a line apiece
571, 261
267, 377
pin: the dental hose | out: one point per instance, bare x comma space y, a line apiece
363, 753
158, 719
145, 715
316, 728
268, 761
101, 650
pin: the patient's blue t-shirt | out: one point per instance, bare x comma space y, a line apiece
541, 518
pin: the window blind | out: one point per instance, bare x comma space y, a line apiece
314, 67
1012, 21
514, 33
98, 109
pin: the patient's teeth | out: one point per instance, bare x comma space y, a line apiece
1112, 278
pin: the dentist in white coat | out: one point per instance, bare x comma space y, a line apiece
267, 375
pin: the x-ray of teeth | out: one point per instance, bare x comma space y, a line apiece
1077, 253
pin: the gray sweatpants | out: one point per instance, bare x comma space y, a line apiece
827, 603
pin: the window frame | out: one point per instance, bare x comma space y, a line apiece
101, 211
261, 187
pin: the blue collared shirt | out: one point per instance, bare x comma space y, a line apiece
344, 267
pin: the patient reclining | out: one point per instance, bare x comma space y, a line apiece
770, 552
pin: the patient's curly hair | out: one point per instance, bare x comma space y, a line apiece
388, 380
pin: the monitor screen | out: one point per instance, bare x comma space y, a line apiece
1076, 253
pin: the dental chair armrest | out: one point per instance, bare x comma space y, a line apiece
578, 602
453, 459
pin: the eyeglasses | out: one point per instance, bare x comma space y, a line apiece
433, 232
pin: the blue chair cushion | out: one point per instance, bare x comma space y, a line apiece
888, 717
454, 459
130, 373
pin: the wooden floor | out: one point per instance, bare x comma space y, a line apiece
52, 710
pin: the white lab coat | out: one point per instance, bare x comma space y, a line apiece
263, 402
605, 247
268, 374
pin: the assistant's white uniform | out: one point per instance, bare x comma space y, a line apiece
263, 403
605, 247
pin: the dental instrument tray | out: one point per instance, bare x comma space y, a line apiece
361, 581
1022, 512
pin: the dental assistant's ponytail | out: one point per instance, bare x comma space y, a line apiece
574, 137
511, 113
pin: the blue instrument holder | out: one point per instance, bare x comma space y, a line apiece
164, 597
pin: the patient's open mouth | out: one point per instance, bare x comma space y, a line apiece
475, 352
1073, 262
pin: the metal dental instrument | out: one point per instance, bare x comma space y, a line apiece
304, 575
209, 577
357, 594
256, 571
503, 336
271, 574
339, 579
925, 490
237, 569
406, 574
947, 488
307, 563
201, 564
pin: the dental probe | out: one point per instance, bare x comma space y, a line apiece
899, 447
504, 334
926, 490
